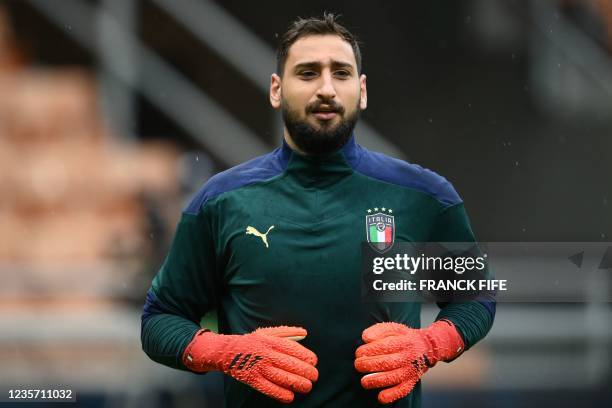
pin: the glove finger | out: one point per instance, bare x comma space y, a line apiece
384, 379
293, 365
388, 362
399, 391
289, 332
382, 330
272, 390
291, 348
387, 345
287, 380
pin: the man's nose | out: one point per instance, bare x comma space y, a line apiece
326, 90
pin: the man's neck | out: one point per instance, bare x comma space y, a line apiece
291, 143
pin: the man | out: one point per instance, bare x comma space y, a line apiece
273, 245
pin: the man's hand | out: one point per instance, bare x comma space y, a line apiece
269, 359
397, 356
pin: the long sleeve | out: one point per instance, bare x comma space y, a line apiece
473, 319
183, 290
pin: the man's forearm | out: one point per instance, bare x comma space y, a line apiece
472, 319
165, 335
164, 338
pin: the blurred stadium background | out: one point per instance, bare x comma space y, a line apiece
113, 112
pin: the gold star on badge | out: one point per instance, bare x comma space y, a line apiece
383, 208
390, 211
375, 208
369, 210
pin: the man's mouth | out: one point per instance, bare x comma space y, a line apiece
325, 113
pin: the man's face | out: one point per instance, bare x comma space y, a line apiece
320, 93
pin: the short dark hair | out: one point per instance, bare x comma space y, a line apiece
303, 27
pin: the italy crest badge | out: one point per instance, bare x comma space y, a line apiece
380, 229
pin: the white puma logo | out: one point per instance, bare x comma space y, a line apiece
264, 237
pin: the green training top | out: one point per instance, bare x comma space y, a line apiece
277, 241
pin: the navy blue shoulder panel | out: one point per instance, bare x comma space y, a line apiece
258, 169
385, 168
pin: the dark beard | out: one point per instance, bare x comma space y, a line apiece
318, 142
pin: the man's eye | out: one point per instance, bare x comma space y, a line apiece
308, 74
342, 74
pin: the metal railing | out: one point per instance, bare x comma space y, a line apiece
201, 116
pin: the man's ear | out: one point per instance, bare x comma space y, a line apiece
363, 100
275, 91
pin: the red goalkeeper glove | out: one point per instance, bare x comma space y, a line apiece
269, 359
398, 356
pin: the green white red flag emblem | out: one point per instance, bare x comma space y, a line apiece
380, 231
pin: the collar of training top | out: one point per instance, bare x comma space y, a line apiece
321, 169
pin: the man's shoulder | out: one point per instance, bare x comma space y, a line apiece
255, 170
391, 170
